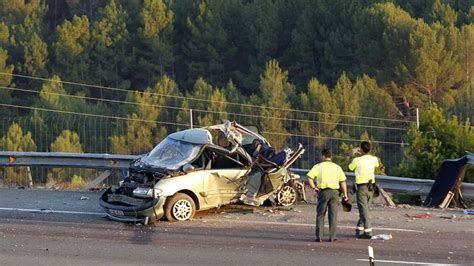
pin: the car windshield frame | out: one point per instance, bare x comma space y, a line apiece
172, 154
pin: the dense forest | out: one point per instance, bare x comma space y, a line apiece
334, 60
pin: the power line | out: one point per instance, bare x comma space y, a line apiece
92, 115
197, 99
205, 111
331, 138
175, 124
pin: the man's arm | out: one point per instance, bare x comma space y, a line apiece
352, 166
312, 185
344, 190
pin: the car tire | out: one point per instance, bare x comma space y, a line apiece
180, 207
287, 195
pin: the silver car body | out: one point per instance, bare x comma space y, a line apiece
185, 163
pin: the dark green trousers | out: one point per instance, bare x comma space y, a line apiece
364, 202
327, 199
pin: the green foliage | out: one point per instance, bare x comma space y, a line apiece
345, 96
77, 182
109, 41
319, 99
67, 141
347, 57
155, 53
71, 48
15, 140
274, 89
143, 132
437, 139
5, 80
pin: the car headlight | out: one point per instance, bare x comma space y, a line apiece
144, 192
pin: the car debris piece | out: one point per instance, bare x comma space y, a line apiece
448, 182
382, 237
84, 198
469, 212
420, 215
188, 172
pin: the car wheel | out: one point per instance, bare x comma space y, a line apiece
180, 207
287, 195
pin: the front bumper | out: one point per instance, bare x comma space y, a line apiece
149, 211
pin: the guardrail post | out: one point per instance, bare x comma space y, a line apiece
191, 117
417, 119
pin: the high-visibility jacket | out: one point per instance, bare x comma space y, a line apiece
364, 168
327, 175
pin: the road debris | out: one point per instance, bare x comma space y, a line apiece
424, 215
85, 198
452, 216
382, 237
468, 212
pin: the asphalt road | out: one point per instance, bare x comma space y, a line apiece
44, 227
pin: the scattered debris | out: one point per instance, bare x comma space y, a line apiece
382, 237
452, 216
448, 182
469, 212
424, 215
388, 200
85, 198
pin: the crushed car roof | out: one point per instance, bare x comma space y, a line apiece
193, 135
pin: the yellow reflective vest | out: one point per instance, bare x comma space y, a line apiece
364, 168
327, 175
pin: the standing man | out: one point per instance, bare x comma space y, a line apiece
364, 167
329, 178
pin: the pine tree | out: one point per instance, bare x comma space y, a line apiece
54, 96
206, 46
142, 133
15, 140
433, 67
323, 42
71, 49
6, 78
439, 137
319, 99
442, 13
27, 42
110, 40
345, 96
274, 89
155, 49
67, 141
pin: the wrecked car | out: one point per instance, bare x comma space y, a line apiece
203, 168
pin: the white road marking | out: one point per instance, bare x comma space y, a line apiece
406, 262
50, 211
235, 221
313, 225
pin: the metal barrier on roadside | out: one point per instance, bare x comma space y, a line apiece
121, 162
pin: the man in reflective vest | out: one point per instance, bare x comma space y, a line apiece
329, 178
364, 168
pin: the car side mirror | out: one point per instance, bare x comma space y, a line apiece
187, 168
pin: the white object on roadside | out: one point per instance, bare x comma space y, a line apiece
382, 237
84, 198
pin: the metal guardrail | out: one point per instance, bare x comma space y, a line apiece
66, 160
121, 162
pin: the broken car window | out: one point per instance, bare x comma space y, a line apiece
172, 154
